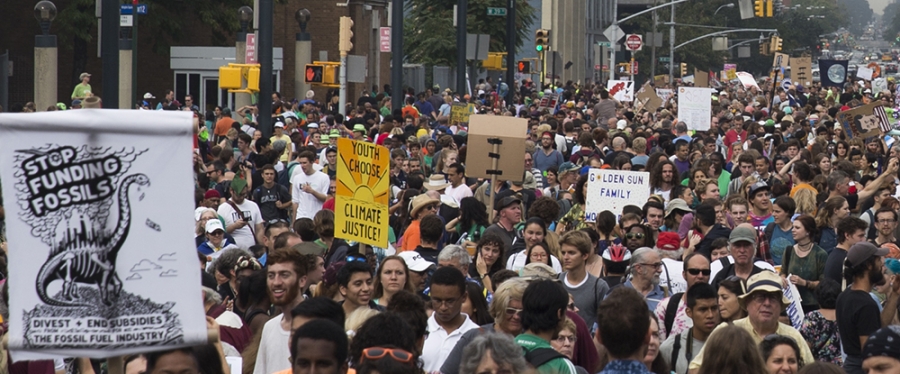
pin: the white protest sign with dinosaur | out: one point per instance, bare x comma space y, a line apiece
99, 207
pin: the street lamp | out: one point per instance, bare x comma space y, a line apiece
45, 57
245, 14
45, 13
302, 16
729, 5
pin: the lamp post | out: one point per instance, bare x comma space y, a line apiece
45, 57
729, 5
245, 16
302, 54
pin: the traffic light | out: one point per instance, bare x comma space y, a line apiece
230, 78
523, 67
683, 69
346, 35
759, 8
769, 6
764, 49
253, 79
319, 74
541, 39
775, 44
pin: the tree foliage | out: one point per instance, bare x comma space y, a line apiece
429, 36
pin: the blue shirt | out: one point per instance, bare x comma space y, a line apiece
625, 367
781, 239
653, 297
543, 161
828, 241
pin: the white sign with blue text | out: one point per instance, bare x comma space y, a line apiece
611, 190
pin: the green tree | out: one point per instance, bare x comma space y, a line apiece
430, 37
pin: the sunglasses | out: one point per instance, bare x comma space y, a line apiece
634, 235
276, 221
356, 259
513, 311
698, 271
377, 353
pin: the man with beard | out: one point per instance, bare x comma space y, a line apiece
858, 315
646, 265
286, 277
355, 280
662, 179
546, 157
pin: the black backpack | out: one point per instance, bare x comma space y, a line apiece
671, 312
284, 176
540, 356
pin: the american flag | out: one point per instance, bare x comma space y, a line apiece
883, 123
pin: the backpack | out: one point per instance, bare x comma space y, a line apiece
284, 176
583, 159
540, 356
570, 143
672, 311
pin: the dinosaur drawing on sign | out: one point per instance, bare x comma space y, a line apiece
91, 261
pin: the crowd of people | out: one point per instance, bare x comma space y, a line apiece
775, 196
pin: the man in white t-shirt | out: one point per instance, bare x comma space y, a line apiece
309, 188
458, 188
244, 222
447, 324
286, 277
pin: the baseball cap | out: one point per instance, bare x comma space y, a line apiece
148, 96
764, 281
312, 125
862, 251
213, 225
884, 342
279, 124
506, 202
84, 75
758, 186
668, 241
742, 233
415, 261
620, 125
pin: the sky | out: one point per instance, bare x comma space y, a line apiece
878, 5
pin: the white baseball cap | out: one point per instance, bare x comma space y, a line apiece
213, 225
415, 261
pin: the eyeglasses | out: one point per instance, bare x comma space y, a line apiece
698, 271
216, 233
634, 235
883, 221
513, 311
761, 297
377, 353
562, 339
654, 265
432, 206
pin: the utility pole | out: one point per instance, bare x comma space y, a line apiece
109, 42
345, 44
264, 56
511, 51
653, 45
462, 9
672, 48
397, 54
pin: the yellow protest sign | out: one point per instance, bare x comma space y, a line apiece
459, 113
362, 192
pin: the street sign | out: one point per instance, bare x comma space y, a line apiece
604, 44
494, 11
128, 9
250, 55
634, 42
664, 59
596, 67
384, 39
126, 20
142, 9
634, 68
613, 33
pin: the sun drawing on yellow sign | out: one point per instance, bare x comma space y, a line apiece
368, 166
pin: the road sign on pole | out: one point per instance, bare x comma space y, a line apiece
495, 11
250, 55
634, 42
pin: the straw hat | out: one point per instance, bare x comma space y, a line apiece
420, 202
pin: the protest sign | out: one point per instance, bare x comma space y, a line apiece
548, 102
695, 107
794, 309
96, 216
622, 91
701, 78
801, 70
747, 80
864, 73
647, 99
459, 114
362, 192
864, 121
833, 73
665, 94
730, 71
612, 190
879, 86
511, 132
